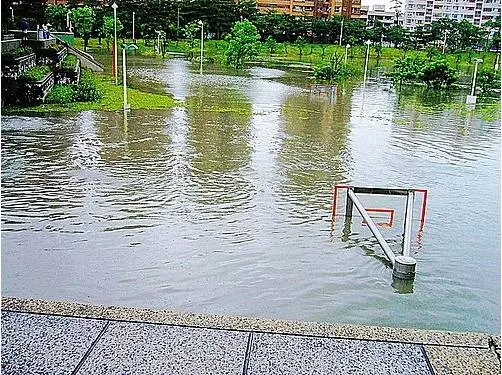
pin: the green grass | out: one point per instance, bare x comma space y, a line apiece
112, 100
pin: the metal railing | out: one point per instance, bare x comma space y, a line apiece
404, 266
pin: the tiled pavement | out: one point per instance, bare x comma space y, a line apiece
104, 342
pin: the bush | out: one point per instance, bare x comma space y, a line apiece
69, 64
85, 90
17, 52
50, 51
438, 74
60, 94
35, 73
407, 69
488, 80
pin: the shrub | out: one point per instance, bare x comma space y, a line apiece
85, 90
488, 80
69, 64
407, 69
333, 70
17, 52
60, 94
50, 51
35, 73
438, 73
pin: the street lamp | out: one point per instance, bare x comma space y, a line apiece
368, 42
444, 41
201, 44
68, 22
124, 77
12, 13
471, 99
347, 46
115, 6
341, 33
133, 38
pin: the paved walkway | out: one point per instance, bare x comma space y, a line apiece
45, 337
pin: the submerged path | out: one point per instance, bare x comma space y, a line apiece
72, 338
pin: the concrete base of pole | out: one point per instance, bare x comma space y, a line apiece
404, 268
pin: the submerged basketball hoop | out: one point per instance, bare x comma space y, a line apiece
404, 266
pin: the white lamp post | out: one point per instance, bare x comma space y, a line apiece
347, 46
368, 42
341, 34
133, 38
115, 60
124, 70
12, 13
471, 99
444, 41
68, 22
201, 44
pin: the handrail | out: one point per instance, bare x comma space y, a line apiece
80, 53
372, 226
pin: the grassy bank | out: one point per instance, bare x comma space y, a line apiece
310, 53
112, 100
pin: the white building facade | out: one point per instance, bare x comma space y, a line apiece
421, 12
377, 12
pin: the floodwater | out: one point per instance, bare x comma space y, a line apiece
224, 206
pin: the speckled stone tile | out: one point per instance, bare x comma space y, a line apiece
40, 344
139, 348
284, 354
459, 361
347, 331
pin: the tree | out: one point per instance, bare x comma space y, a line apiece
300, 43
396, 6
56, 16
83, 21
243, 43
493, 27
396, 35
438, 73
190, 33
488, 80
271, 44
108, 29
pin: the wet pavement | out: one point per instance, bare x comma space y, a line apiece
71, 338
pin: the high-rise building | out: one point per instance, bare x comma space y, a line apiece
378, 13
313, 8
421, 12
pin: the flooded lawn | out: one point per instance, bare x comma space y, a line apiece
224, 206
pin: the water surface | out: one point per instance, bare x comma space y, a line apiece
224, 206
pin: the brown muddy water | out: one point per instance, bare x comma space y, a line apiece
224, 206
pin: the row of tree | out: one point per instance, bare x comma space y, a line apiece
174, 17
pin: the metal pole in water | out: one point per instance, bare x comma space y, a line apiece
349, 206
372, 226
407, 223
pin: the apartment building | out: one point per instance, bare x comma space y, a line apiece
313, 8
420, 12
377, 12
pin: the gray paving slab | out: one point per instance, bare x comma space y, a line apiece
141, 348
43, 344
287, 354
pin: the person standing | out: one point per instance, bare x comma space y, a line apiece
24, 28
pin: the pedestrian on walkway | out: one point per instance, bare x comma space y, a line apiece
24, 28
